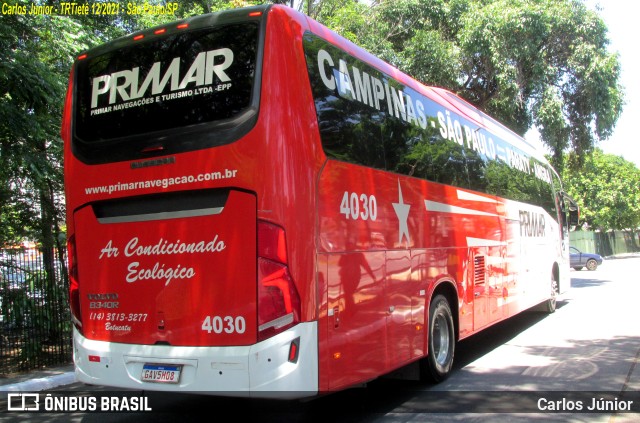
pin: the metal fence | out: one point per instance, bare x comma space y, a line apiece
35, 322
606, 243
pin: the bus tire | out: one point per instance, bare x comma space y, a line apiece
552, 302
437, 365
549, 305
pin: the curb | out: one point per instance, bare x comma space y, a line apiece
622, 256
40, 384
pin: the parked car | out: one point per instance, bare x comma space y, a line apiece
578, 259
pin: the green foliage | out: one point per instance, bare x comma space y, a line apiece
36, 53
607, 190
31, 92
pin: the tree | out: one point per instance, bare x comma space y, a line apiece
36, 54
31, 90
551, 67
606, 189
525, 62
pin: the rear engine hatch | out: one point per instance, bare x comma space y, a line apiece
177, 268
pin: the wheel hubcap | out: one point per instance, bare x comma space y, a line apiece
554, 294
441, 344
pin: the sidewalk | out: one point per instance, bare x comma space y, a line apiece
39, 380
622, 256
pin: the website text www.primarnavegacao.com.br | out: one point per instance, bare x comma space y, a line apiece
161, 182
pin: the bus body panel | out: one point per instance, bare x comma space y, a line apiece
387, 241
535, 246
287, 156
149, 278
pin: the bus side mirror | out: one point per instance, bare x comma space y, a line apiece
571, 205
574, 218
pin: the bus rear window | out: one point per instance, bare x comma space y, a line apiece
183, 83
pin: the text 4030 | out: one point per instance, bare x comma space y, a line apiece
226, 324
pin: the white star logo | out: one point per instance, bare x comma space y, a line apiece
402, 211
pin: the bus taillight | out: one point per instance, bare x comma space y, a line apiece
278, 299
74, 288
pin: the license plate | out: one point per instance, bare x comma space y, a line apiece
161, 373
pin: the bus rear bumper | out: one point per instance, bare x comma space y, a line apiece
262, 370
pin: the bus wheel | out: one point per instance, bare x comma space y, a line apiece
553, 299
442, 340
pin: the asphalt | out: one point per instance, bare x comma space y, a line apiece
51, 378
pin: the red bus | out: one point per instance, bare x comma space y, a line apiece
258, 207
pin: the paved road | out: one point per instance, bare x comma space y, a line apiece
591, 343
